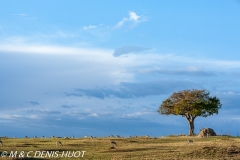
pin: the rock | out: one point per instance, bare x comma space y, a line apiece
206, 132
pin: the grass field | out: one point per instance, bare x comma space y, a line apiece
127, 148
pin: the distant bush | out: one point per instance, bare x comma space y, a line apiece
172, 135
181, 135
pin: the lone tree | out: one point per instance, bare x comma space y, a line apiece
190, 104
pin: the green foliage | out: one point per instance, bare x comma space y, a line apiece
190, 103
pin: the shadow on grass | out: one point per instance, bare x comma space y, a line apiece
133, 141
27, 158
127, 150
214, 151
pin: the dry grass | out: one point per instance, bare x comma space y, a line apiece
133, 148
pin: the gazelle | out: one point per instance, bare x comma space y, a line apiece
58, 143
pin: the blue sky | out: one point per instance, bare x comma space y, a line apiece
103, 67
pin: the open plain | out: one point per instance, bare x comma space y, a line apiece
218, 147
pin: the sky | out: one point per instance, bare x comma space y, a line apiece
100, 68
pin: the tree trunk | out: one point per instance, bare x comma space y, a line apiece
191, 127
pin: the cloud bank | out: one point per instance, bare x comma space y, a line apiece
135, 90
180, 72
129, 49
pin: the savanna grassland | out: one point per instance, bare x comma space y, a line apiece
127, 148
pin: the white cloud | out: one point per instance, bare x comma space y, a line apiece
17, 117
19, 45
93, 115
133, 19
102, 65
33, 116
136, 114
122, 22
9, 116
89, 27
26, 16
21, 14
133, 16
63, 67
59, 34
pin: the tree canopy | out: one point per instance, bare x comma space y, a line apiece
190, 104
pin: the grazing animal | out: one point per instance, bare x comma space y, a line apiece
1, 143
112, 136
190, 141
58, 143
113, 144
